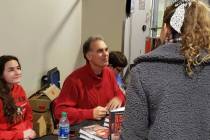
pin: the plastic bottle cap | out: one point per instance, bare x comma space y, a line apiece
63, 114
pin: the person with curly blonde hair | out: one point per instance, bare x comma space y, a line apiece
195, 34
168, 97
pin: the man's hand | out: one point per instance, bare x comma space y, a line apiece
114, 103
99, 112
29, 134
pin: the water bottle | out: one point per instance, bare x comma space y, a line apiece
63, 127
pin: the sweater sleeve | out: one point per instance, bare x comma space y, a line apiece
67, 102
11, 135
28, 116
135, 123
28, 113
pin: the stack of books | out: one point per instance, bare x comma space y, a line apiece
94, 132
110, 130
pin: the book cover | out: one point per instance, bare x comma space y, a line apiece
84, 137
115, 123
95, 132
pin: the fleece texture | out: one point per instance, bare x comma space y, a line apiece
163, 103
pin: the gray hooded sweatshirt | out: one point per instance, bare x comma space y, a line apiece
163, 103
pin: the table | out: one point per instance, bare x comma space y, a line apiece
55, 137
74, 129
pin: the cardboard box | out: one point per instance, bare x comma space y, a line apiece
42, 116
40, 104
42, 123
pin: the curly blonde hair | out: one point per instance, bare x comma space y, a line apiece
195, 34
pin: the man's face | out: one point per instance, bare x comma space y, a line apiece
98, 54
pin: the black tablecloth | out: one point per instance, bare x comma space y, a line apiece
55, 137
74, 129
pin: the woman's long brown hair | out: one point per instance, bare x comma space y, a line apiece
9, 106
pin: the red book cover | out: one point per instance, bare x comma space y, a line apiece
115, 123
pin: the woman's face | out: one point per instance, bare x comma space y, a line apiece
12, 72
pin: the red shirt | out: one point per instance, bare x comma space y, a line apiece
83, 90
24, 120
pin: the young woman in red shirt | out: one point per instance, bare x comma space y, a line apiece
15, 111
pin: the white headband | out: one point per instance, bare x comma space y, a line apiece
177, 19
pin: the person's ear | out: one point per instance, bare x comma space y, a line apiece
166, 29
89, 56
163, 33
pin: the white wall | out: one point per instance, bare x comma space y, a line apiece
42, 34
104, 17
135, 37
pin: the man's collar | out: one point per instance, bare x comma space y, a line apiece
92, 73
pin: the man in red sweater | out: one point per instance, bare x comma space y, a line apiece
90, 91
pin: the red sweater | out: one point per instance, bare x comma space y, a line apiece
83, 90
24, 120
